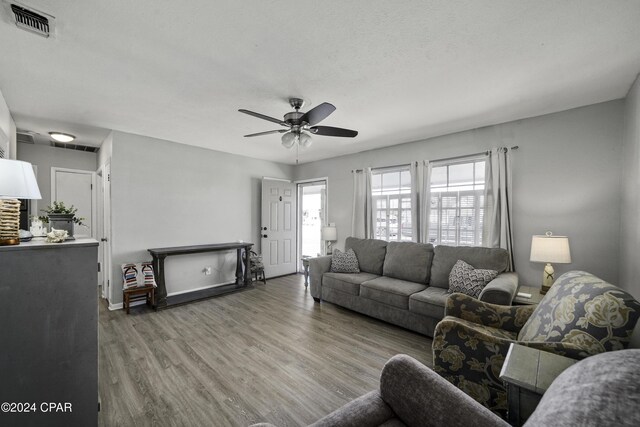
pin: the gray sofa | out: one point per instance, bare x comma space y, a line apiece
406, 283
598, 391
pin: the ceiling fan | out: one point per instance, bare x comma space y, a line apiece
300, 126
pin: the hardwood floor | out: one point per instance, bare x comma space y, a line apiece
268, 354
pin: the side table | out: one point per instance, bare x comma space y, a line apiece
305, 265
536, 296
528, 373
135, 294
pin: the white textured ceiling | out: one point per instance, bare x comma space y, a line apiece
396, 71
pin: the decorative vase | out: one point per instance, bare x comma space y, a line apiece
62, 222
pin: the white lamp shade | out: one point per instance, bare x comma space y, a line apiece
17, 180
550, 248
329, 234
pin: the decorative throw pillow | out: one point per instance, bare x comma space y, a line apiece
468, 280
344, 262
137, 275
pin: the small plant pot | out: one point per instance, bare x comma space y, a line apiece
62, 222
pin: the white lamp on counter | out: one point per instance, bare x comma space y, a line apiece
329, 234
17, 181
548, 249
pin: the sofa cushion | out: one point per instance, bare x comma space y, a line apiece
394, 292
583, 309
349, 283
344, 262
468, 280
408, 261
370, 253
445, 257
429, 302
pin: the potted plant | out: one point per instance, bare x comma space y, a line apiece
62, 217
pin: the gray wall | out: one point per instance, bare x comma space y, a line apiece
566, 178
168, 194
46, 157
630, 224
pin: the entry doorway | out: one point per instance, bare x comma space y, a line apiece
278, 227
312, 216
77, 188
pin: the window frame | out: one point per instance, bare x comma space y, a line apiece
401, 213
458, 191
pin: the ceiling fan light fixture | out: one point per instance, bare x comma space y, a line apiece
62, 137
305, 140
288, 139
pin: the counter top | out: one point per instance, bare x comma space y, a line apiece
42, 244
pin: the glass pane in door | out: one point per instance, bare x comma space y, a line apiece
312, 211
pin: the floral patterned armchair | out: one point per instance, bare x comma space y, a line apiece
580, 316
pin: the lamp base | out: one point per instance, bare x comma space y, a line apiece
9, 242
547, 278
9, 222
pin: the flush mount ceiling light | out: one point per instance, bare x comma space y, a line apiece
62, 137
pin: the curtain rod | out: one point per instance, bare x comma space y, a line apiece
515, 147
387, 167
486, 153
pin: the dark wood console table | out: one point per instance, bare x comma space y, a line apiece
243, 278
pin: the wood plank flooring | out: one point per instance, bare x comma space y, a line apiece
268, 354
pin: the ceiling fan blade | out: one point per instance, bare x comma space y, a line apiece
318, 114
267, 132
331, 131
263, 117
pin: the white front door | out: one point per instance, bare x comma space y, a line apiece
76, 187
278, 227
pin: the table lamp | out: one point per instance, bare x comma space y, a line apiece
17, 181
330, 235
548, 249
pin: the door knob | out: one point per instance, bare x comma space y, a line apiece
104, 239
265, 236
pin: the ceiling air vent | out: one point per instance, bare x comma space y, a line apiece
32, 20
25, 137
87, 148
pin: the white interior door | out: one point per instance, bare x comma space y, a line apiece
278, 227
76, 187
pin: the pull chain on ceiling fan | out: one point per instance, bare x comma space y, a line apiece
300, 126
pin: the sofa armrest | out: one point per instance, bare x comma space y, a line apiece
317, 267
421, 397
366, 410
500, 290
510, 318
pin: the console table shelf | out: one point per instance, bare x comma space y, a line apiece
243, 278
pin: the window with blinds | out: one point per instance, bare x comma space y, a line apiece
457, 204
391, 197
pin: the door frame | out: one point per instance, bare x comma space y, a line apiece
93, 192
104, 230
325, 221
